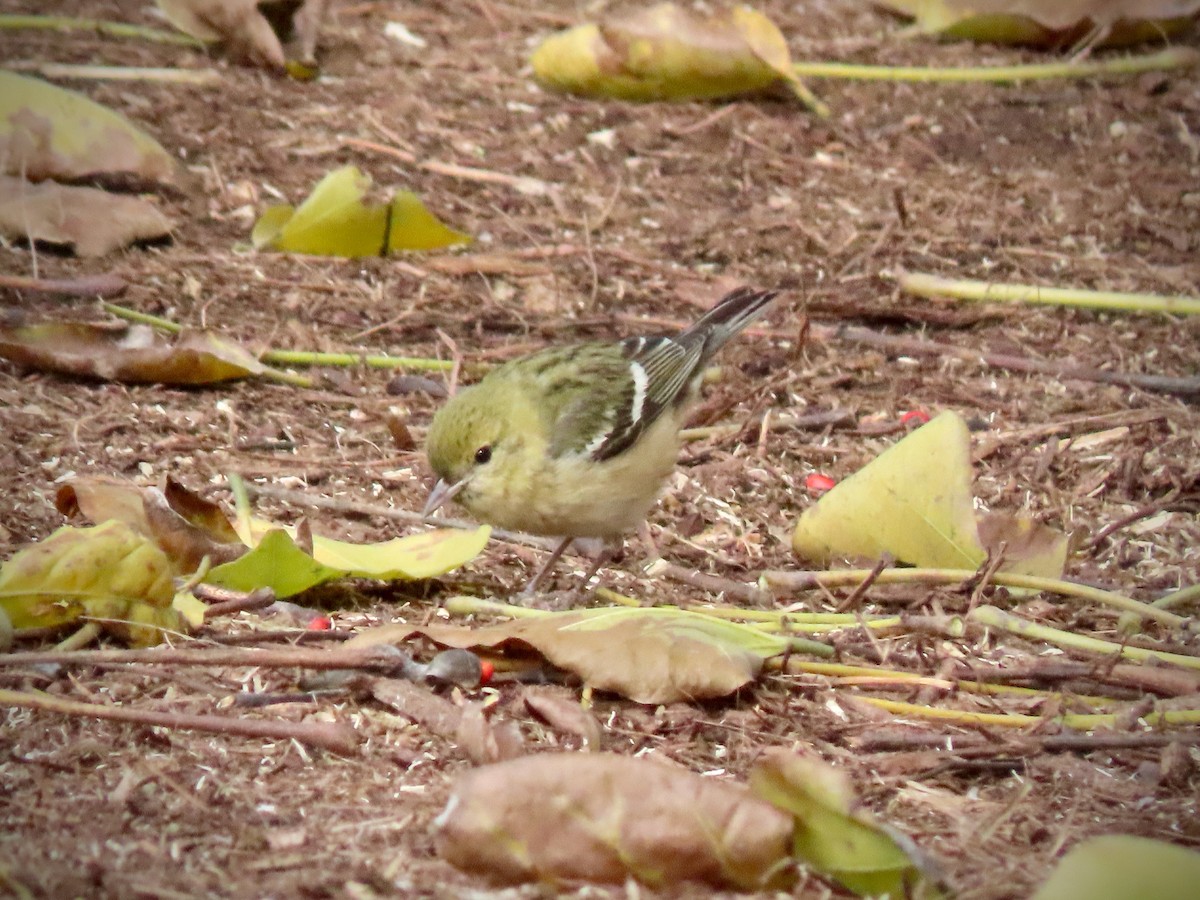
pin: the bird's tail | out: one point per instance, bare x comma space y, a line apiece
733, 312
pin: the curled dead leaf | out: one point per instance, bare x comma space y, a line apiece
603, 817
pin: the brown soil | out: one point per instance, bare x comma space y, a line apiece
655, 210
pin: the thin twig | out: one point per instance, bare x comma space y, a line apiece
327, 735
106, 285
1063, 371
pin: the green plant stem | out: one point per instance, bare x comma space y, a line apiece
845, 670
132, 315
997, 618
925, 285
849, 577
200, 77
1181, 597
291, 357
463, 605
376, 361
1077, 721
1173, 58
109, 29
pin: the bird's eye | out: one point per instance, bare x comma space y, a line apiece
483, 454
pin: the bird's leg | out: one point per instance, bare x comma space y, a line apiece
541, 573
603, 558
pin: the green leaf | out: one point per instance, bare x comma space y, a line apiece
836, 839
278, 563
49, 132
1124, 867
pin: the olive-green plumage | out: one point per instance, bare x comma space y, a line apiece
577, 441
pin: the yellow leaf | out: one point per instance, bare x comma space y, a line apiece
278, 563
414, 227
107, 571
335, 220
666, 52
1124, 867
1061, 23
913, 501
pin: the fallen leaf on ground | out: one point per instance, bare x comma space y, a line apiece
184, 525
832, 835
239, 24
484, 741
129, 353
601, 817
91, 221
564, 714
666, 52
278, 563
1057, 24
50, 132
648, 655
106, 572
1124, 867
336, 220
914, 502
252, 553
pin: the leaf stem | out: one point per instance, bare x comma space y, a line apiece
925, 285
1173, 58
846, 577
374, 361
109, 29
202, 77
997, 618
1077, 721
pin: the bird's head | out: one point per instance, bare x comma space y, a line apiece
474, 445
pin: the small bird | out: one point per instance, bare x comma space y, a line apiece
576, 442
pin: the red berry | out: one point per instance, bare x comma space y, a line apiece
486, 671
320, 623
914, 415
816, 483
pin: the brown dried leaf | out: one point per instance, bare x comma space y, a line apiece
564, 715
237, 23
605, 818
434, 713
134, 353
484, 741
648, 655
92, 221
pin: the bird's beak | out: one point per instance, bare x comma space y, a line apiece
442, 493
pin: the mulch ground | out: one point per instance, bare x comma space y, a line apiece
654, 211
